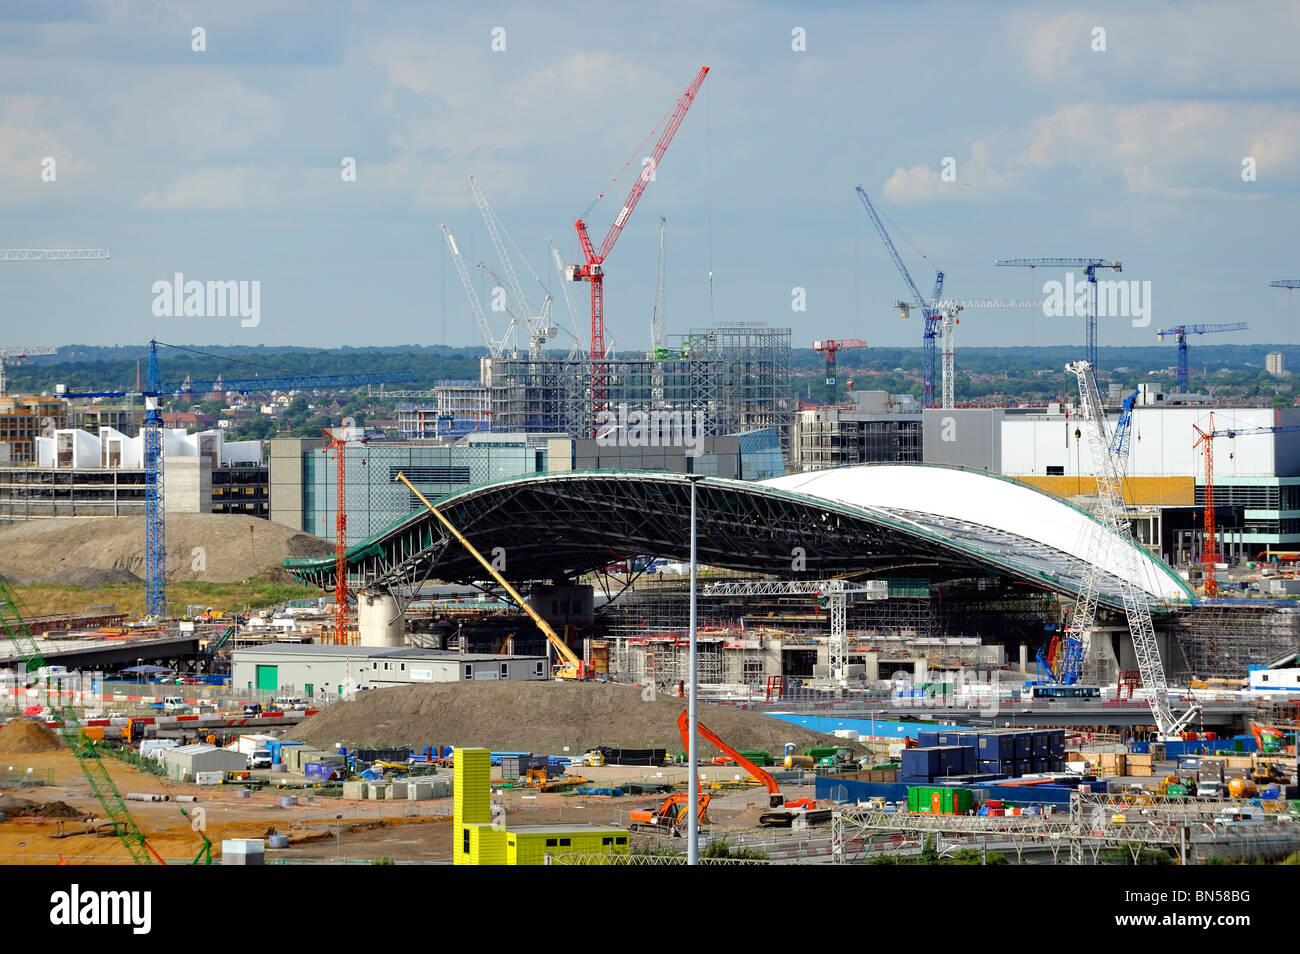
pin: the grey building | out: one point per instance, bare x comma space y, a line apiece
879, 428
315, 671
185, 762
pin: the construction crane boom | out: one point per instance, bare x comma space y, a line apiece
53, 254
572, 667
1182, 331
7, 353
539, 328
495, 347
101, 784
933, 319
593, 268
1089, 266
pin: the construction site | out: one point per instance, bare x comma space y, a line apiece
605, 606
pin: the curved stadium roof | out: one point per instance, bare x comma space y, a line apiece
899, 519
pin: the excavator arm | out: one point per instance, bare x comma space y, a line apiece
775, 798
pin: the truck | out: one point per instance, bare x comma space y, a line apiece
260, 759
175, 704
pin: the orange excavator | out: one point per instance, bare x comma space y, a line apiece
1270, 739
783, 812
670, 815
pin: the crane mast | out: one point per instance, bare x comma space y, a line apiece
1116, 541
1089, 266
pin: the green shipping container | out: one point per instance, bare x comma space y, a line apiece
948, 801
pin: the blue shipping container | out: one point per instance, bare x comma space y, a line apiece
924, 762
1024, 745
996, 745
927, 740
1056, 739
1042, 743
997, 767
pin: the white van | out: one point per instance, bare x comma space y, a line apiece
175, 704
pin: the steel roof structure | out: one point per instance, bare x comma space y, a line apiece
863, 521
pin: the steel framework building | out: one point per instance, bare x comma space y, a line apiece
1221, 638
735, 376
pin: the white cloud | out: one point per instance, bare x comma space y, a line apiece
975, 179
1171, 149
206, 188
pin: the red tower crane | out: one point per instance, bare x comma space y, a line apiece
831, 347
338, 445
1206, 439
593, 268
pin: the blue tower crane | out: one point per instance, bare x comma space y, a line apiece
154, 450
933, 319
1182, 331
1089, 266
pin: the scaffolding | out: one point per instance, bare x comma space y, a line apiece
1223, 638
735, 377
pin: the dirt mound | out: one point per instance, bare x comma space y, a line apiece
13, 805
93, 576
540, 717
21, 737
96, 551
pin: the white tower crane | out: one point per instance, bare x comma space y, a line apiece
495, 347
947, 310
836, 592
19, 353
540, 328
1117, 543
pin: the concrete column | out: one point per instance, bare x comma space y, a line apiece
1024, 657
378, 621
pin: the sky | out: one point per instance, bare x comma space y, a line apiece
1163, 136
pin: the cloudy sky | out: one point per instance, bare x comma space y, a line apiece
225, 163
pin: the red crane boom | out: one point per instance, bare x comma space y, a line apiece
593, 268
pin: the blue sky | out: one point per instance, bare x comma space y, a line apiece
225, 164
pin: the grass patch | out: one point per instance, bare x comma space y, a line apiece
43, 599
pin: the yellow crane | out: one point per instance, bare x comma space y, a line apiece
571, 667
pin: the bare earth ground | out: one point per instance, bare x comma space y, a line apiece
94, 551
538, 717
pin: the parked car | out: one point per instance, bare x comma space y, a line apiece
252, 709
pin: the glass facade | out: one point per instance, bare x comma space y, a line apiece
376, 499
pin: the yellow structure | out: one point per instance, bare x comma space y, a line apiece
1138, 491
480, 839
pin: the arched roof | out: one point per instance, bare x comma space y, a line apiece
896, 519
